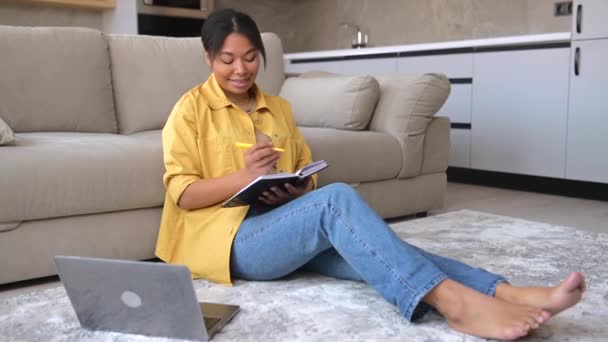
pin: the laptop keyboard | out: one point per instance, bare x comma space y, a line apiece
210, 322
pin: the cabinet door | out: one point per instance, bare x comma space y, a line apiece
589, 19
587, 157
520, 103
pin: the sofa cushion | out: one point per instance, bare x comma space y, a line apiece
61, 174
151, 73
271, 77
6, 134
55, 79
406, 106
354, 156
341, 102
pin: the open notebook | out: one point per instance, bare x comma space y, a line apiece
250, 193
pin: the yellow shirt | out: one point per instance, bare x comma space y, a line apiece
198, 142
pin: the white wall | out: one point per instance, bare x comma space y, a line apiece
122, 19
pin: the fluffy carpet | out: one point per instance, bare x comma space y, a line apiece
309, 307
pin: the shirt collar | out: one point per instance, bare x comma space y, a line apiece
217, 98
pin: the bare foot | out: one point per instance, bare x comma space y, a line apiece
474, 313
553, 299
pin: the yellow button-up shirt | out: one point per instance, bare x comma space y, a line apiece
198, 142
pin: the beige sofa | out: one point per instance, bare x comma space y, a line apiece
84, 174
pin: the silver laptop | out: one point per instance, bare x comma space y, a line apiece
136, 297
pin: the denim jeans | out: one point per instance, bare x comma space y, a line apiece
334, 232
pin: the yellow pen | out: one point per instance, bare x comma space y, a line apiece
245, 145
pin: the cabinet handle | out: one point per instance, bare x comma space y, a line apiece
579, 18
577, 56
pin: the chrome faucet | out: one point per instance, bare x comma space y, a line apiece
361, 40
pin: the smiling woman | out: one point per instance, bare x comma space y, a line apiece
331, 230
233, 53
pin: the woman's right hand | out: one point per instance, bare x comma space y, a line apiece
261, 159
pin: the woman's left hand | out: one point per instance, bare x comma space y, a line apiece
276, 196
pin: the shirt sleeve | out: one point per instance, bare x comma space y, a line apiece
180, 151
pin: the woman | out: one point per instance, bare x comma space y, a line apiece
331, 230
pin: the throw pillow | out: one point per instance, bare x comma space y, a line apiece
405, 109
6, 134
332, 101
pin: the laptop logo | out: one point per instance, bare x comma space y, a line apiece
131, 299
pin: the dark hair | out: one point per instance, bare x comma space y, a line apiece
223, 22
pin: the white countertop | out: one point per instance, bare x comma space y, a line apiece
501, 41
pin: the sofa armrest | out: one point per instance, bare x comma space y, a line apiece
436, 146
405, 110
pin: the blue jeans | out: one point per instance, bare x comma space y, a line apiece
333, 231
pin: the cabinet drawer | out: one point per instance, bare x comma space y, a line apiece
329, 66
460, 148
458, 105
453, 66
372, 66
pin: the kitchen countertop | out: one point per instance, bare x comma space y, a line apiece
548, 38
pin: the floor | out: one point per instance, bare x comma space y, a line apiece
573, 212
557, 210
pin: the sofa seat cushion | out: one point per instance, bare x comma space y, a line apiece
59, 174
341, 102
55, 79
354, 156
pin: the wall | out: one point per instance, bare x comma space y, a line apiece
397, 22
31, 15
122, 19
311, 25
270, 15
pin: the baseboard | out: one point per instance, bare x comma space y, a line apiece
546, 185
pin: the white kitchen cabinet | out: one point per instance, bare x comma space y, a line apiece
587, 152
455, 66
459, 68
508, 106
458, 108
589, 19
520, 104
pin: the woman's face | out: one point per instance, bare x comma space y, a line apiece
236, 65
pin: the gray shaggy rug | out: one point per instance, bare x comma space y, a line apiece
309, 307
